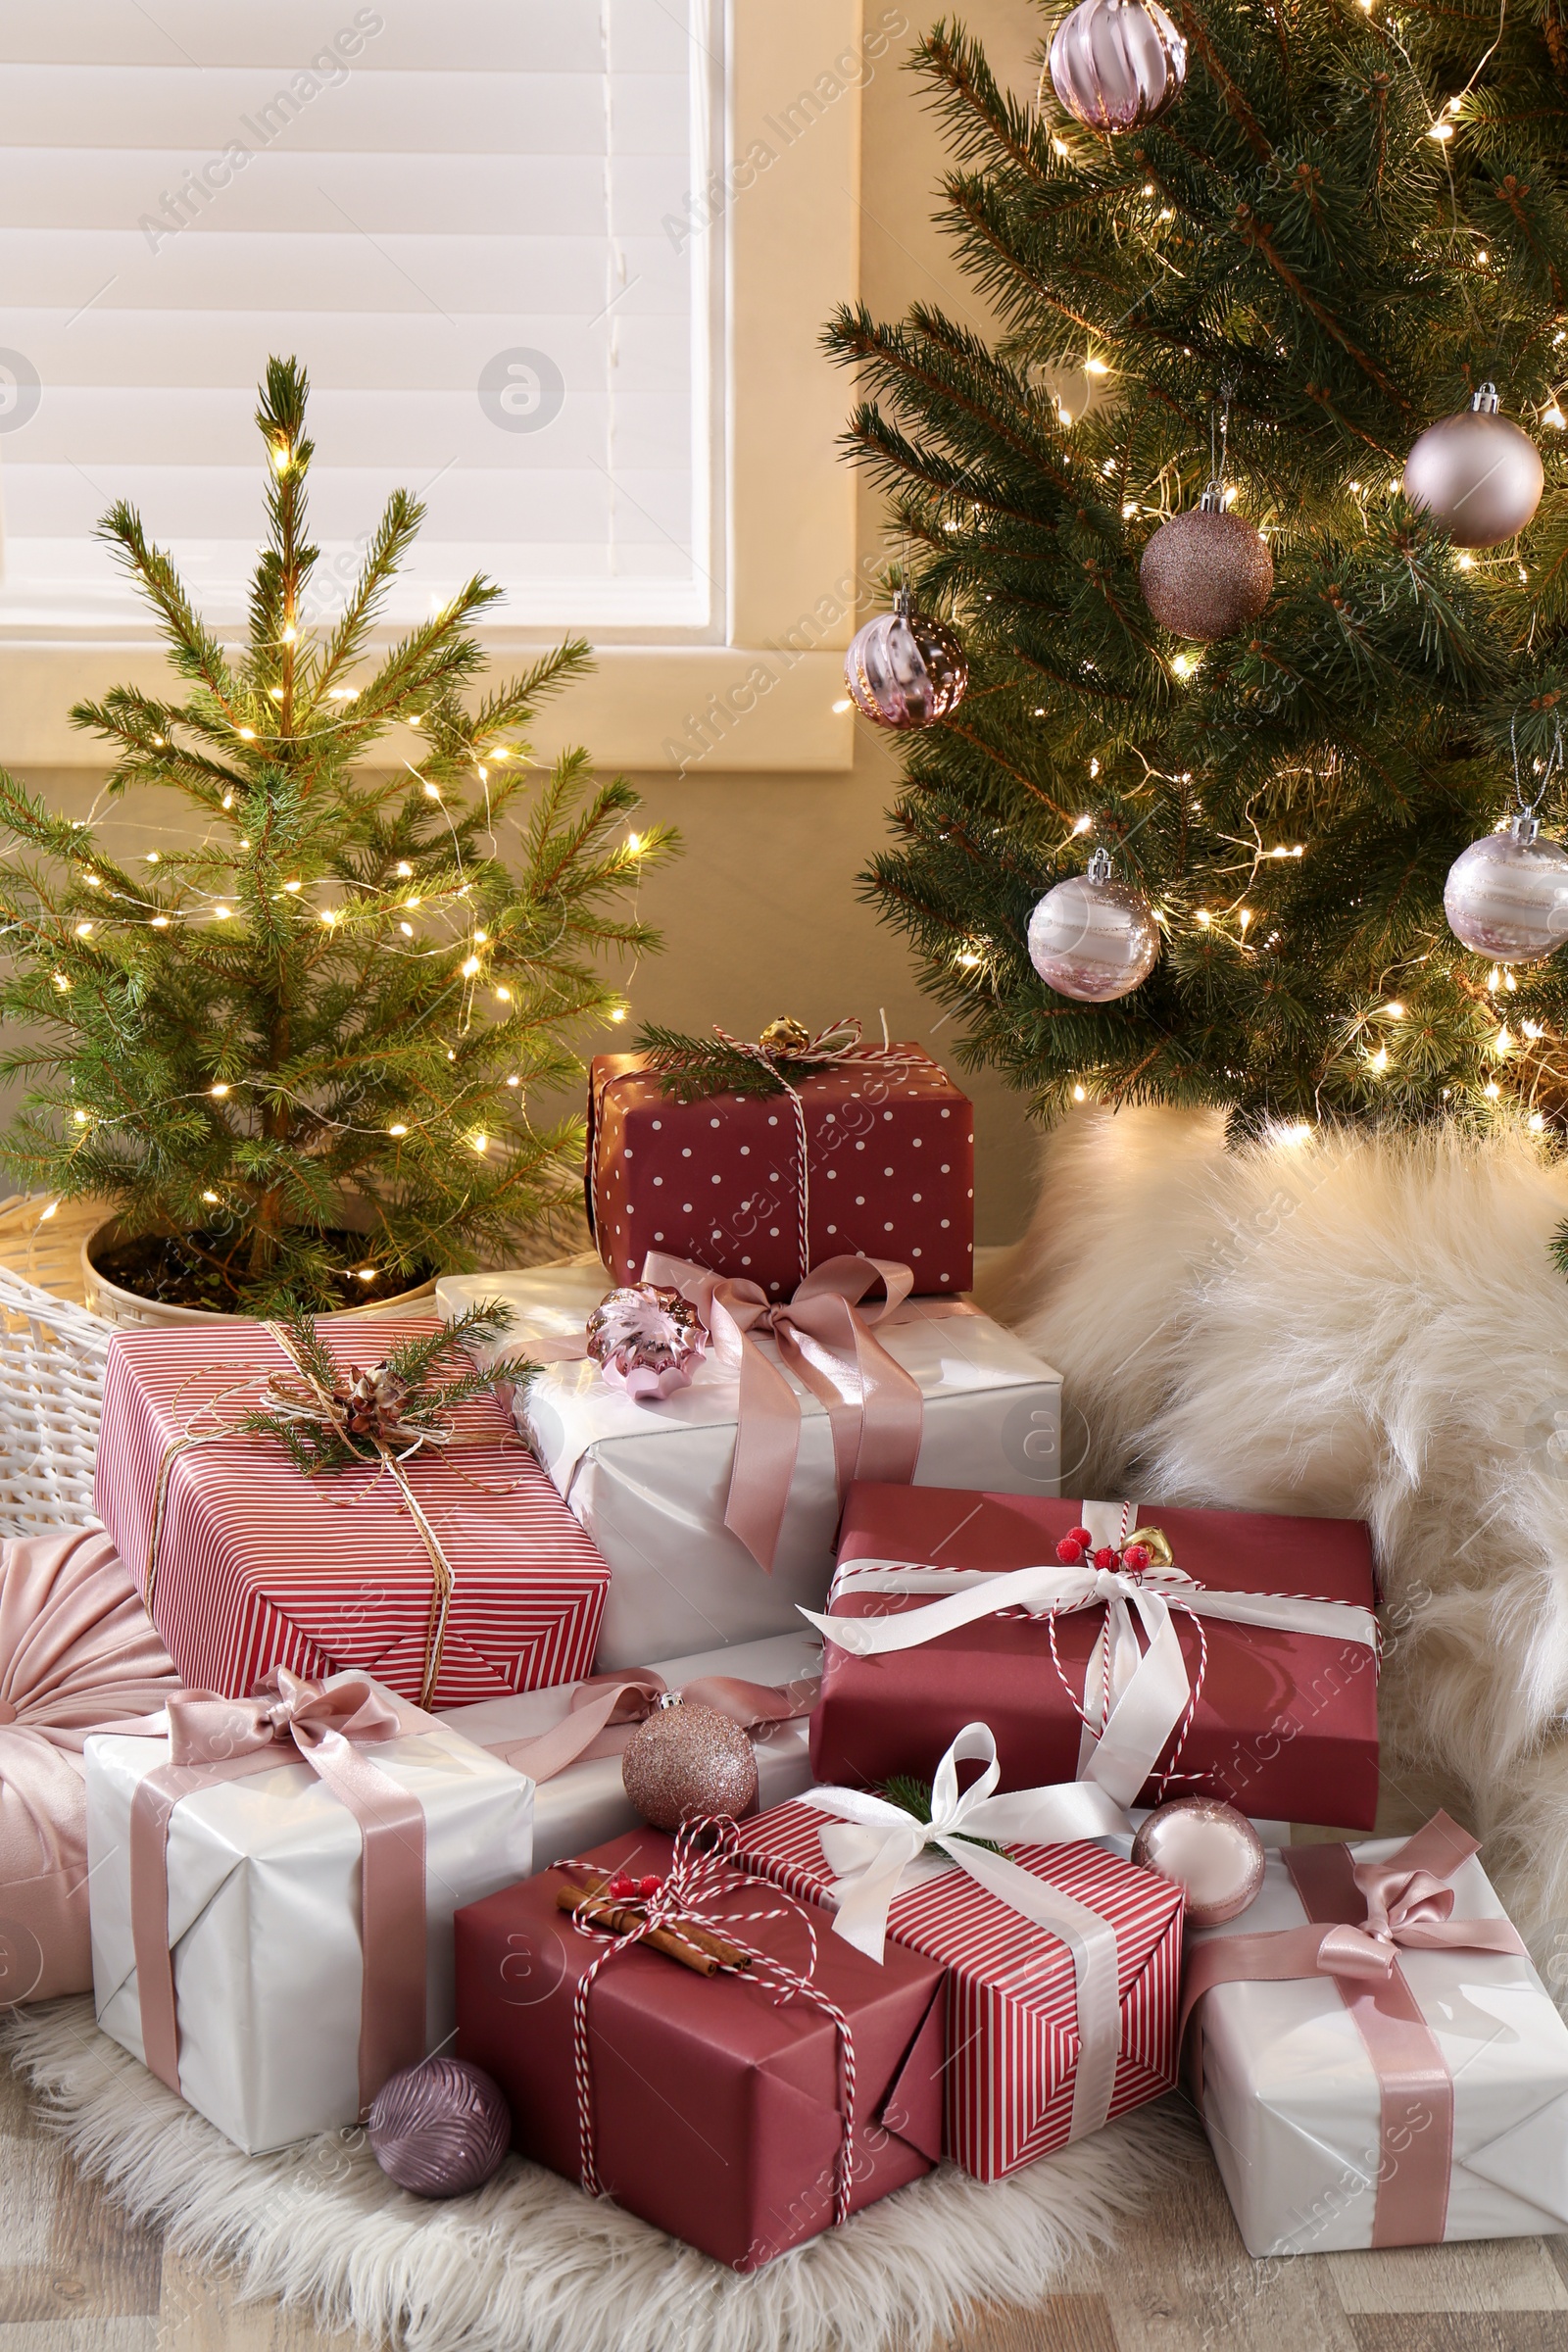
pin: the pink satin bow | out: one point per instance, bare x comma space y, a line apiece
328, 1725
824, 1336
1407, 1906
606, 1708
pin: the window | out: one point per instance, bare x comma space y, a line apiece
453, 214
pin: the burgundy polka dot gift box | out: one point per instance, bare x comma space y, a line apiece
872, 1156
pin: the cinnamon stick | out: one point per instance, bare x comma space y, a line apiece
692, 1945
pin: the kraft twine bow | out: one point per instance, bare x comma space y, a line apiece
328, 1725
782, 1042
1361, 1916
1135, 1694
872, 1844
696, 1880
369, 1413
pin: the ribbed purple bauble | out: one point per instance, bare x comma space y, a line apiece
1117, 63
440, 2128
903, 669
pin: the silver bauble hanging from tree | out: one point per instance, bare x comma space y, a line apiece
1477, 473
1093, 939
1507, 896
1117, 64
903, 669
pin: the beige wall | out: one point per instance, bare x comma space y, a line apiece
761, 914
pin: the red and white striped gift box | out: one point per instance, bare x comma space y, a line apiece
1012, 2019
257, 1566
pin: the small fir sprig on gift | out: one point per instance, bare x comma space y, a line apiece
913, 1795
332, 1418
697, 1066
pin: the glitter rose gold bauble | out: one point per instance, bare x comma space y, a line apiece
1209, 1850
1206, 573
1476, 473
686, 1763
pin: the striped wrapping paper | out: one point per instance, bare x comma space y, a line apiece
1012, 2026
259, 1567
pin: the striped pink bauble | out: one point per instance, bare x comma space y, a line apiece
440, 2127
1117, 64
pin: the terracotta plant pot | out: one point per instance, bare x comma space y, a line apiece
129, 1311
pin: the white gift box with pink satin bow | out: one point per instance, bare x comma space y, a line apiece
652, 1482
1412, 2089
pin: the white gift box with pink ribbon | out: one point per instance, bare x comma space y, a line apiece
273, 1884
717, 1507
1377, 2062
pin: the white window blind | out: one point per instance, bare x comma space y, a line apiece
454, 212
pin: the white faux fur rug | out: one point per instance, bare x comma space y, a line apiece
1350, 1325
530, 2265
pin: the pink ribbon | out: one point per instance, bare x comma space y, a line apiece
824, 1334
1362, 1916
697, 1879
605, 1708
328, 1725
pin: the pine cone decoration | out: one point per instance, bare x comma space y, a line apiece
646, 1339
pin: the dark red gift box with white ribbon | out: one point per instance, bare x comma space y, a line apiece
1243, 1666
871, 1156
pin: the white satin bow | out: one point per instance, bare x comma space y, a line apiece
872, 1844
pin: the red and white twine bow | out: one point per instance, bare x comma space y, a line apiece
697, 1879
1142, 1692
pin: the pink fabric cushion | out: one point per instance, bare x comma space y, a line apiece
76, 1650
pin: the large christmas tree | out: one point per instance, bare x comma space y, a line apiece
1352, 217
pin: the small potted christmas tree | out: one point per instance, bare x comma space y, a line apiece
296, 1051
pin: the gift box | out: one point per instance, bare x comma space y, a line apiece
253, 1893
651, 1480
1245, 1669
585, 1801
1377, 2062
1018, 1992
244, 1563
720, 2108
877, 1160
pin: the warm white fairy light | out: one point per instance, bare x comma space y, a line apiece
618, 1012
403, 869
85, 930
1554, 418
1532, 1029
1203, 917
407, 930
1379, 1060
81, 1117
246, 734
160, 922
1492, 1090
220, 1091
229, 800
1095, 366
504, 995
210, 1198
1393, 1010
469, 967
634, 841
481, 1143
152, 856
290, 632
1081, 825
1079, 1095
1536, 1122
396, 1128
1467, 563
293, 886
1502, 1044
63, 984
481, 938
330, 915
222, 913
513, 1080
432, 792
92, 881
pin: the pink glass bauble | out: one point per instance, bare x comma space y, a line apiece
439, 2129
904, 670
646, 1340
1476, 473
1117, 63
1093, 939
689, 1763
1507, 896
1206, 573
1210, 1850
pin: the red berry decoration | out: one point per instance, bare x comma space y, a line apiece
1081, 1536
648, 1889
1068, 1553
620, 1886
1106, 1556
1137, 1557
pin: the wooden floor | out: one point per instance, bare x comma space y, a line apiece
76, 2277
